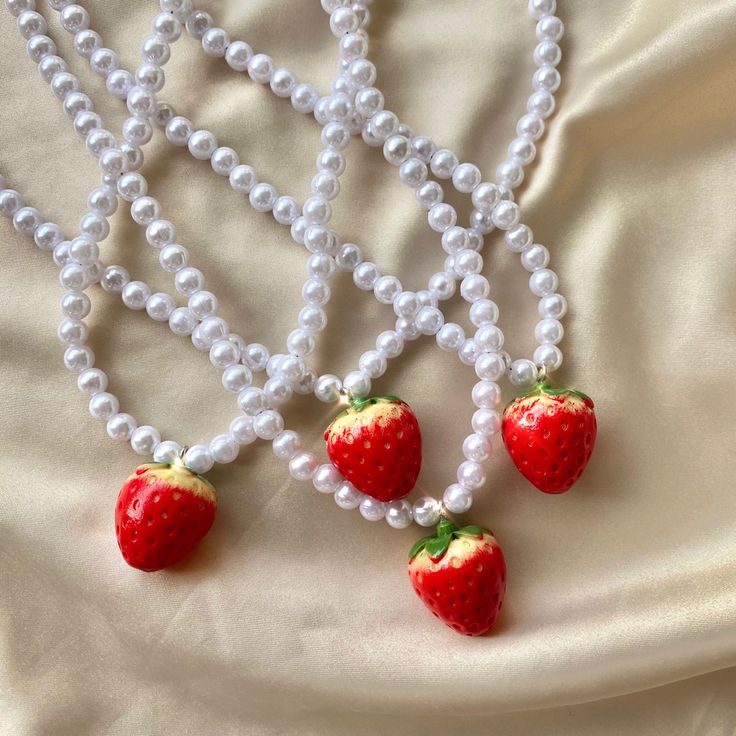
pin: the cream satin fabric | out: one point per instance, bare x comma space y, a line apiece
295, 617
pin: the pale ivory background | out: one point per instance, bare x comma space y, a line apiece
295, 617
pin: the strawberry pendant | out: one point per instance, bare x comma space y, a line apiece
162, 513
460, 575
550, 434
376, 444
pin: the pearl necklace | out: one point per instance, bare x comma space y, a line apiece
353, 107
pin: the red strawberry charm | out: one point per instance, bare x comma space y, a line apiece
460, 575
162, 513
376, 444
550, 433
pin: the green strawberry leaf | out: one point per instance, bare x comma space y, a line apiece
419, 545
437, 546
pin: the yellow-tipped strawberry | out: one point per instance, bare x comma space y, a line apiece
460, 575
162, 513
550, 434
376, 444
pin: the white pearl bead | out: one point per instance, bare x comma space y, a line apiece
443, 163
457, 499
182, 322
541, 103
467, 262
505, 215
407, 328
260, 68
476, 447
179, 130
547, 53
278, 390
202, 144
215, 42
372, 510
483, 312
474, 287
241, 429
224, 354
423, 148
92, 381
304, 97
236, 377
327, 388
466, 177
357, 384
413, 172
369, 101
518, 238
486, 422
286, 444
386, 289
548, 356
167, 452
550, 27
347, 496
398, 514
489, 337
490, 366
486, 394
103, 405
539, 8
523, 373
442, 285
522, 151
120, 427
426, 511
373, 363
26, 220
47, 236
365, 275
75, 304
547, 78
469, 352
441, 217
224, 160
72, 275
252, 401
199, 459
471, 475
173, 257
159, 306
237, 55
553, 306
268, 424
16, 7
429, 320
224, 448
390, 344
144, 439
262, 197
549, 331
303, 465
543, 282
10, 202
429, 194
73, 332
327, 478
154, 49
450, 337
535, 257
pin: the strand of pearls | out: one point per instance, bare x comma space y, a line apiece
141, 104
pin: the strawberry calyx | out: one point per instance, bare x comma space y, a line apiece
358, 404
543, 387
436, 545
